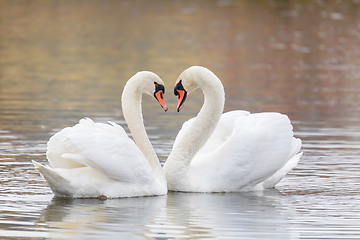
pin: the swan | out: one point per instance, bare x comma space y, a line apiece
230, 152
100, 160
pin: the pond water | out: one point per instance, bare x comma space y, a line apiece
61, 61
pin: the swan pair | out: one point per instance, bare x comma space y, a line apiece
213, 152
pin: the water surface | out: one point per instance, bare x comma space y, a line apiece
61, 61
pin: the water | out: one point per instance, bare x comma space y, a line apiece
61, 61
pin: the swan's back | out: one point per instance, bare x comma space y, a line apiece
103, 147
244, 150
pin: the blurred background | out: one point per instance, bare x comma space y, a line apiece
64, 60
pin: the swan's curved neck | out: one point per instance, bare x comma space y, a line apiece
202, 127
131, 107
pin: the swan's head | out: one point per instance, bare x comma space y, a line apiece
188, 81
151, 84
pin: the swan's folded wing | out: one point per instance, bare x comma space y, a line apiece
106, 148
259, 145
222, 131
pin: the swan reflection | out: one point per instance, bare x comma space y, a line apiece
177, 215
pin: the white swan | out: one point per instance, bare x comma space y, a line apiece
230, 152
94, 159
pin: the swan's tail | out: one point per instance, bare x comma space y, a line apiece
59, 185
274, 179
294, 158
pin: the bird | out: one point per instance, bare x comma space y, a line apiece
227, 152
99, 160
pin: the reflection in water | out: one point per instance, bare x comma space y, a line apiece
64, 60
178, 215
235, 215
257, 215
91, 218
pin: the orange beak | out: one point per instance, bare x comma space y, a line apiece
160, 97
181, 94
